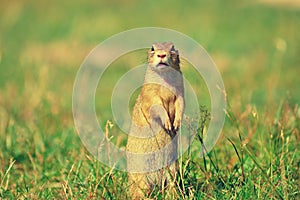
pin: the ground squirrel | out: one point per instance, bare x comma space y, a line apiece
156, 118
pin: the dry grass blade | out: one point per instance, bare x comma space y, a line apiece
6, 175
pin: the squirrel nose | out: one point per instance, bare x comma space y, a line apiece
161, 55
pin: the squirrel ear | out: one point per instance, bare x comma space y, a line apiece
173, 48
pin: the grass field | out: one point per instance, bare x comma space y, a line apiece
254, 44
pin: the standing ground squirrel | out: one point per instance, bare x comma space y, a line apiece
156, 118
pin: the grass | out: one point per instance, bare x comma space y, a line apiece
255, 46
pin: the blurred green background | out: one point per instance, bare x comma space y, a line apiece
255, 45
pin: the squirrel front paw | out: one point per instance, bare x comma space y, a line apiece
177, 123
168, 124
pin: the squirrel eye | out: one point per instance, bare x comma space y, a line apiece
152, 48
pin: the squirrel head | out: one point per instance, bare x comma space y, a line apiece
163, 55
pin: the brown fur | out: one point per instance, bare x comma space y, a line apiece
159, 107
